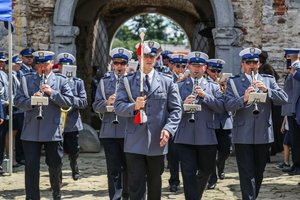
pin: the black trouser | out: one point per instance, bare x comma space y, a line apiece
18, 125
71, 145
173, 163
116, 167
251, 161
224, 150
197, 163
3, 131
142, 169
294, 130
54, 158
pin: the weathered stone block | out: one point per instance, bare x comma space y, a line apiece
88, 140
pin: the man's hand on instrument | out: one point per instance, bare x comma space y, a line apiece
38, 94
260, 85
189, 99
164, 137
140, 102
111, 100
199, 91
46, 89
247, 92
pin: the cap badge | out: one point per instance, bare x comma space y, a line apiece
66, 55
151, 44
121, 51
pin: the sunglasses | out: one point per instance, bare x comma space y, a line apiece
182, 66
251, 62
215, 70
120, 63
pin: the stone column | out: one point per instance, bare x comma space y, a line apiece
63, 39
227, 44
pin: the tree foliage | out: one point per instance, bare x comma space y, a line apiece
159, 28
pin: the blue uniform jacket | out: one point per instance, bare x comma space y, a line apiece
108, 129
247, 127
202, 131
49, 128
163, 111
73, 122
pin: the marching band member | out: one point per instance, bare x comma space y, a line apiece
223, 124
42, 124
4, 103
252, 121
195, 139
179, 61
147, 136
73, 123
292, 88
113, 126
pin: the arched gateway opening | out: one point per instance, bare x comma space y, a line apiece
86, 27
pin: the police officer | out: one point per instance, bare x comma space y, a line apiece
113, 126
222, 122
17, 116
42, 124
4, 102
73, 123
165, 65
179, 61
27, 61
292, 88
147, 132
252, 121
196, 140
26, 66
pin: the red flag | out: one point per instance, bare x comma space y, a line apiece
137, 118
139, 49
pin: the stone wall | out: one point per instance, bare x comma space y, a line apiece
271, 25
268, 24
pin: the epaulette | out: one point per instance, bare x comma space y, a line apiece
107, 75
59, 74
267, 75
236, 76
164, 74
211, 81
129, 74
29, 73
76, 79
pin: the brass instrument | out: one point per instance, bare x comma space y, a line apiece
192, 111
64, 114
255, 109
42, 81
116, 121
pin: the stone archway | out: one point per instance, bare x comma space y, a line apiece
65, 34
74, 27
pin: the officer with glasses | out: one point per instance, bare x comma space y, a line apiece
223, 125
113, 126
252, 122
180, 62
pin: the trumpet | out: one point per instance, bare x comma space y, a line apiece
40, 114
255, 109
64, 114
116, 121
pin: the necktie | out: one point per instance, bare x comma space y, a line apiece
147, 82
